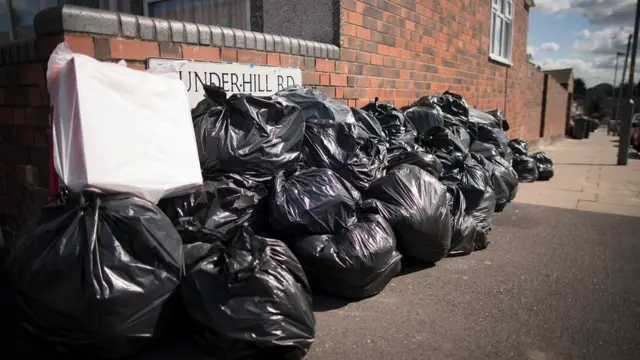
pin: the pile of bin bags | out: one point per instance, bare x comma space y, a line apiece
300, 192
530, 167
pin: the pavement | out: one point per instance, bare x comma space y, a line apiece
587, 178
556, 282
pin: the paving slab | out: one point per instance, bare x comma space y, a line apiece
587, 178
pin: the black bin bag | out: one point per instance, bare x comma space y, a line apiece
312, 202
95, 276
424, 117
465, 172
519, 147
221, 204
544, 164
356, 263
346, 149
454, 105
499, 116
369, 123
317, 105
526, 167
504, 180
458, 127
483, 216
440, 139
248, 298
420, 158
496, 137
393, 122
463, 227
247, 135
415, 204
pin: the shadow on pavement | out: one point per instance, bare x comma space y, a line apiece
322, 303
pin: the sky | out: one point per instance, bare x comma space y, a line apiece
581, 34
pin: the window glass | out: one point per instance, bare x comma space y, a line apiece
229, 13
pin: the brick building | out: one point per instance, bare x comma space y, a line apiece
397, 50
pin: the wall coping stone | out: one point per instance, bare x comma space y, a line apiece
72, 18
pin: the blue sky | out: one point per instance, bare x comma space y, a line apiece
581, 34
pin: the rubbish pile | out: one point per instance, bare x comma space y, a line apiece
221, 224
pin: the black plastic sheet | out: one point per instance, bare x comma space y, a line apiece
484, 149
463, 227
424, 117
252, 136
346, 149
519, 147
420, 158
439, 139
392, 121
248, 298
95, 276
459, 128
369, 123
498, 115
496, 137
312, 202
415, 204
317, 105
465, 172
526, 167
356, 263
483, 217
544, 164
221, 204
454, 105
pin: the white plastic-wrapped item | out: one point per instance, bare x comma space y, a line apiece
121, 130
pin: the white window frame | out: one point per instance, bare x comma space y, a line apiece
145, 9
499, 12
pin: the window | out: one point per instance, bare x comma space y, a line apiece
229, 13
501, 30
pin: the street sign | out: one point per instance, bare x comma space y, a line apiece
234, 78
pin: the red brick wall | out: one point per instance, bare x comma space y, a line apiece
556, 109
397, 50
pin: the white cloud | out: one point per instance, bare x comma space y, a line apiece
544, 47
596, 11
605, 41
594, 72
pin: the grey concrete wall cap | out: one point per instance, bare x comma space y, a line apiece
71, 18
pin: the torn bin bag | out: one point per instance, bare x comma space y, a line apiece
483, 217
222, 204
465, 172
251, 136
526, 167
392, 121
519, 147
120, 130
346, 149
312, 202
356, 263
415, 204
463, 227
420, 158
317, 105
95, 276
424, 117
544, 164
248, 298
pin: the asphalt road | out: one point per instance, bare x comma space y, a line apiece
554, 284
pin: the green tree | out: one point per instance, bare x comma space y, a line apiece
579, 88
